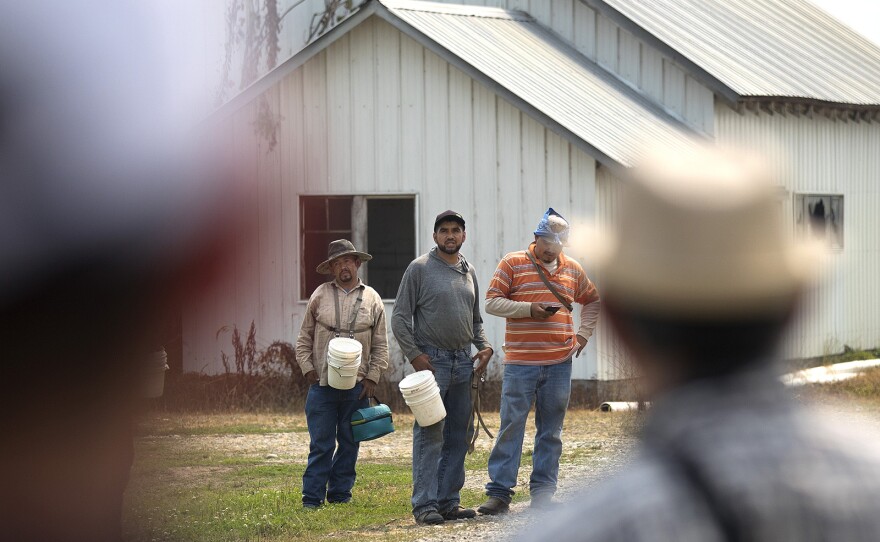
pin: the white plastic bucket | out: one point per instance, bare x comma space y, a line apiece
345, 371
422, 395
343, 362
429, 410
417, 383
343, 348
337, 362
342, 378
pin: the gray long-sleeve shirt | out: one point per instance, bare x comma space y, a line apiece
438, 304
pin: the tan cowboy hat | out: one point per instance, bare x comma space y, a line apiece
337, 249
701, 234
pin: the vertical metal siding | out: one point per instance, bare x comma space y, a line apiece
363, 107
483, 248
612, 360
562, 19
822, 156
582, 208
509, 174
652, 73
585, 30
461, 138
629, 55
315, 112
339, 123
606, 48
673, 88
388, 158
412, 117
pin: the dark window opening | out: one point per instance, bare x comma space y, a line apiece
820, 217
324, 219
382, 226
391, 240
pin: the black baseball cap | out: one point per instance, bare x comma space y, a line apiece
448, 215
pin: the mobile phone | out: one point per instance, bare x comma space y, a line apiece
552, 308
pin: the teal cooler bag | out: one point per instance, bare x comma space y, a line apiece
371, 422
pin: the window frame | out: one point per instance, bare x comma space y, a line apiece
801, 225
359, 231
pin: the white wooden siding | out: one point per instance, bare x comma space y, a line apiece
822, 156
612, 359
376, 113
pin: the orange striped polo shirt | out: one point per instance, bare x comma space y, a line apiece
530, 341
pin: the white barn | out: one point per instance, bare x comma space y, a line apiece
407, 108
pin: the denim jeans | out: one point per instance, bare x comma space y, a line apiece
549, 388
328, 415
439, 450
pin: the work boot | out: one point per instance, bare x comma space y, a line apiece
459, 512
494, 506
431, 517
544, 501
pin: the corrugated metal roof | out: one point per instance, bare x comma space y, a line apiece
763, 48
544, 73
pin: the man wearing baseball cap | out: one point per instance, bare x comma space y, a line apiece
436, 320
700, 281
342, 307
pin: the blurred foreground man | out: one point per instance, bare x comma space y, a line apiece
103, 227
700, 282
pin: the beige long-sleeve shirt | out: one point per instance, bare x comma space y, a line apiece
370, 331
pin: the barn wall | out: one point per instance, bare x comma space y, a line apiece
817, 155
377, 113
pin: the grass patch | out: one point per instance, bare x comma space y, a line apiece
264, 502
865, 386
206, 477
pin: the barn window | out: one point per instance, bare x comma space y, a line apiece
384, 226
821, 217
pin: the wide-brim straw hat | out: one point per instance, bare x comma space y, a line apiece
702, 234
338, 249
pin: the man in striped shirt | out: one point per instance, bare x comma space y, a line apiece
540, 341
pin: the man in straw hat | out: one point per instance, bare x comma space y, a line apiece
534, 289
342, 307
436, 320
700, 282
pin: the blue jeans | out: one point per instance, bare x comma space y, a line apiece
439, 450
549, 388
328, 415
